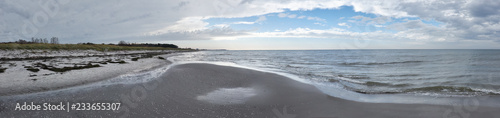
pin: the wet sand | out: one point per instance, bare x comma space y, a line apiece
206, 91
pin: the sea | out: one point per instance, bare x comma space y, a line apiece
366, 75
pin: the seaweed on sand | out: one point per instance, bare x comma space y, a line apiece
135, 59
2, 70
65, 69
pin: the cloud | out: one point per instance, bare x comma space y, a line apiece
412, 24
244, 22
281, 15
484, 8
187, 24
316, 19
344, 24
333, 33
321, 24
214, 33
261, 19
376, 20
464, 20
112, 20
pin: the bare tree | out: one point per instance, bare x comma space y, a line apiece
122, 43
54, 40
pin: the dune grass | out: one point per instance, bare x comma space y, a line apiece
97, 47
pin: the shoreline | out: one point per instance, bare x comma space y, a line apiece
399, 98
207, 90
56, 71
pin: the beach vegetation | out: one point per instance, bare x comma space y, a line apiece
97, 47
53, 44
116, 61
32, 69
2, 70
135, 59
65, 69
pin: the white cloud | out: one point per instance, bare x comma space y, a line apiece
316, 18
344, 24
321, 24
188, 24
334, 33
261, 19
412, 24
244, 22
221, 25
281, 15
376, 20
205, 34
379, 25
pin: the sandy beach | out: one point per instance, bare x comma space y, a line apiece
250, 58
205, 90
29, 71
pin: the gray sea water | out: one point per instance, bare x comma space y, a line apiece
420, 72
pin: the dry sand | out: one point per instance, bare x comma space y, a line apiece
211, 91
17, 80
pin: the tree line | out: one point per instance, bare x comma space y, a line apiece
53, 40
165, 45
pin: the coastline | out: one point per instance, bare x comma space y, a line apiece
104, 65
206, 90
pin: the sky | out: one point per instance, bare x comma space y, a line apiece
260, 24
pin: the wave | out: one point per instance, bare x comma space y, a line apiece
404, 75
354, 76
400, 88
370, 83
377, 63
433, 90
453, 90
